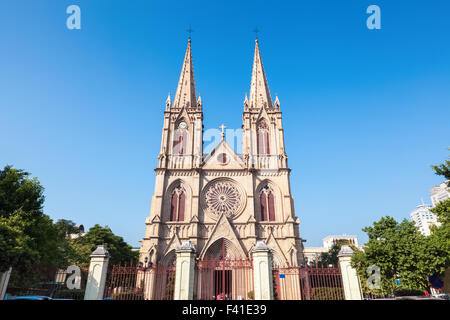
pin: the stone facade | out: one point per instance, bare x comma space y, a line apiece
312, 254
222, 199
329, 241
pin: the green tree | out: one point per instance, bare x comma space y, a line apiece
402, 253
66, 227
442, 211
120, 251
29, 242
331, 257
33, 245
440, 235
443, 169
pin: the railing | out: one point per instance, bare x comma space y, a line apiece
141, 283
308, 283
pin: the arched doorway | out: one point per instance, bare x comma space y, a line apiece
222, 248
220, 251
164, 277
223, 273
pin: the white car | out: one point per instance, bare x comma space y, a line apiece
444, 296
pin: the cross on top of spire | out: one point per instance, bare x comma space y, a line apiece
223, 130
256, 31
190, 30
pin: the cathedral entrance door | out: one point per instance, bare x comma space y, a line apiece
222, 277
222, 284
222, 274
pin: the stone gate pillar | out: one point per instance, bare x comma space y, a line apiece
262, 271
98, 268
350, 279
184, 272
4, 279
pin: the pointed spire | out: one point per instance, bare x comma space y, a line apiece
259, 89
185, 94
246, 101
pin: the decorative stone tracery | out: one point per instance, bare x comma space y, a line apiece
223, 196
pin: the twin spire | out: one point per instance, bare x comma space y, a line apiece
259, 89
185, 95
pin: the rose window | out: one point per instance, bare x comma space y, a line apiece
222, 196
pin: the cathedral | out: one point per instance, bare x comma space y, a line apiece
222, 202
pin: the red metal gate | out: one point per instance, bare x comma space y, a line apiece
220, 277
140, 283
308, 283
225, 279
325, 283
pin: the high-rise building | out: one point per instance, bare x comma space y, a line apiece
440, 193
424, 218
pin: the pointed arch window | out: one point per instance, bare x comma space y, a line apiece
180, 139
267, 201
263, 138
177, 204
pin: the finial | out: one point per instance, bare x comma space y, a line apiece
199, 101
246, 101
168, 101
277, 102
223, 131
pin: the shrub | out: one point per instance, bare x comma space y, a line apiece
401, 292
327, 293
75, 294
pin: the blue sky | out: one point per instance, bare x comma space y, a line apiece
365, 112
